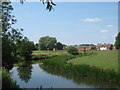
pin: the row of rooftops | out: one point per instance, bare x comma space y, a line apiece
92, 45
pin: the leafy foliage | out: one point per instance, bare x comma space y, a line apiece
7, 81
36, 47
72, 50
47, 43
24, 48
15, 45
117, 42
9, 34
59, 46
49, 3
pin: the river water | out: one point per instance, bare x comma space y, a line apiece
33, 76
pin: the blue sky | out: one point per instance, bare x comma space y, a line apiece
70, 22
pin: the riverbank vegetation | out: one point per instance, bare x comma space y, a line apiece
7, 81
79, 79
62, 63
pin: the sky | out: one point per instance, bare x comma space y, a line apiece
72, 23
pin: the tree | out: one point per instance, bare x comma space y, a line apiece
9, 35
59, 46
24, 49
49, 3
117, 42
72, 50
111, 47
36, 46
47, 43
14, 45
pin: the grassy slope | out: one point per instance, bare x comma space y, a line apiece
59, 64
103, 59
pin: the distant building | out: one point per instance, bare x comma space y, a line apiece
86, 47
94, 47
105, 47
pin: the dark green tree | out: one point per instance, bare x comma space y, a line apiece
72, 50
47, 43
59, 46
14, 45
117, 42
9, 35
24, 49
36, 46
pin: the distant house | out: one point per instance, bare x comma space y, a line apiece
105, 47
94, 47
86, 47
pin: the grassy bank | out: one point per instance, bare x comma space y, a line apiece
101, 59
60, 63
78, 79
36, 58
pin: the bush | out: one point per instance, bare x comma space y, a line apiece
72, 50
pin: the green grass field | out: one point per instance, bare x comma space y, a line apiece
101, 59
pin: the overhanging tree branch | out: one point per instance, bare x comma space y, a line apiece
49, 3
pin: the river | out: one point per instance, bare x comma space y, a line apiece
34, 76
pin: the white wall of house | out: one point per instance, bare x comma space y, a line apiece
103, 48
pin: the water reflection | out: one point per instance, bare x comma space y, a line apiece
24, 71
33, 76
79, 79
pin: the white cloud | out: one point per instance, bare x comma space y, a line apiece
92, 20
114, 35
109, 26
103, 31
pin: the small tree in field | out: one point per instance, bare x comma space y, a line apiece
72, 50
117, 42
